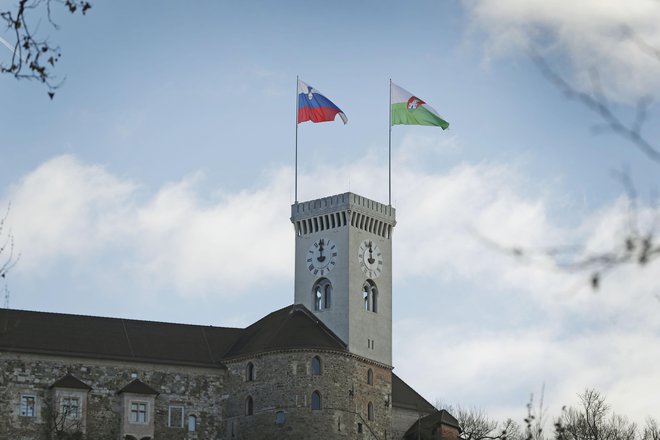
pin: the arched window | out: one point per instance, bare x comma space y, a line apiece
370, 296
370, 377
249, 406
249, 372
192, 423
370, 411
316, 366
316, 400
322, 294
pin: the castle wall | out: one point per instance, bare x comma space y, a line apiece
198, 390
283, 382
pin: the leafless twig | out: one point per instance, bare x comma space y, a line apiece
34, 58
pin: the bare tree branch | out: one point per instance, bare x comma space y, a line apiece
597, 102
34, 58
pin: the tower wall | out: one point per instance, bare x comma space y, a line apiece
348, 221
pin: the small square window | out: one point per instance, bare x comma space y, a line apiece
71, 407
280, 418
175, 416
28, 404
138, 412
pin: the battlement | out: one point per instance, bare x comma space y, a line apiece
341, 210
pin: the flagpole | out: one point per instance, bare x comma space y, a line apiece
296, 165
389, 150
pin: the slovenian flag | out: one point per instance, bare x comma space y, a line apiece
408, 109
313, 106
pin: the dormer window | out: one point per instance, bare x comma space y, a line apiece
138, 412
138, 403
69, 404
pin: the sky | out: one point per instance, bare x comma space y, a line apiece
157, 184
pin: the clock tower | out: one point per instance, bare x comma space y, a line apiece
344, 269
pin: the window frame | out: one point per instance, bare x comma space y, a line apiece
30, 405
370, 296
65, 406
137, 412
316, 366
249, 372
316, 401
170, 407
322, 295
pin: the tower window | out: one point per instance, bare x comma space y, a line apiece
316, 400
370, 296
322, 294
249, 372
370, 411
280, 418
316, 366
249, 406
192, 423
370, 377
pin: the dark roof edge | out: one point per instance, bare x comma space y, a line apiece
122, 319
219, 365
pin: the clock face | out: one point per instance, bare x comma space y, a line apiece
321, 257
370, 258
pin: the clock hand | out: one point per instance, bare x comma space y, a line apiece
321, 257
371, 259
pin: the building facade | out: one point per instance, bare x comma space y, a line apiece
318, 369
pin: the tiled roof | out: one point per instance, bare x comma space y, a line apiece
112, 338
159, 342
288, 328
403, 396
137, 387
425, 427
70, 381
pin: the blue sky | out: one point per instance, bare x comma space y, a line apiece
145, 188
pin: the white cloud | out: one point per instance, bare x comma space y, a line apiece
229, 245
590, 33
175, 238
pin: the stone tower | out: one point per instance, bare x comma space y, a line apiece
343, 269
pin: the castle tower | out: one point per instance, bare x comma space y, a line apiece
343, 269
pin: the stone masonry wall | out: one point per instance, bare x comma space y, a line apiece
198, 390
284, 382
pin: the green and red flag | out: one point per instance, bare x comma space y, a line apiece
408, 109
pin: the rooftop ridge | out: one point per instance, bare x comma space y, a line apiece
128, 320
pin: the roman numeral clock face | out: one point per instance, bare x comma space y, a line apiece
321, 257
370, 258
